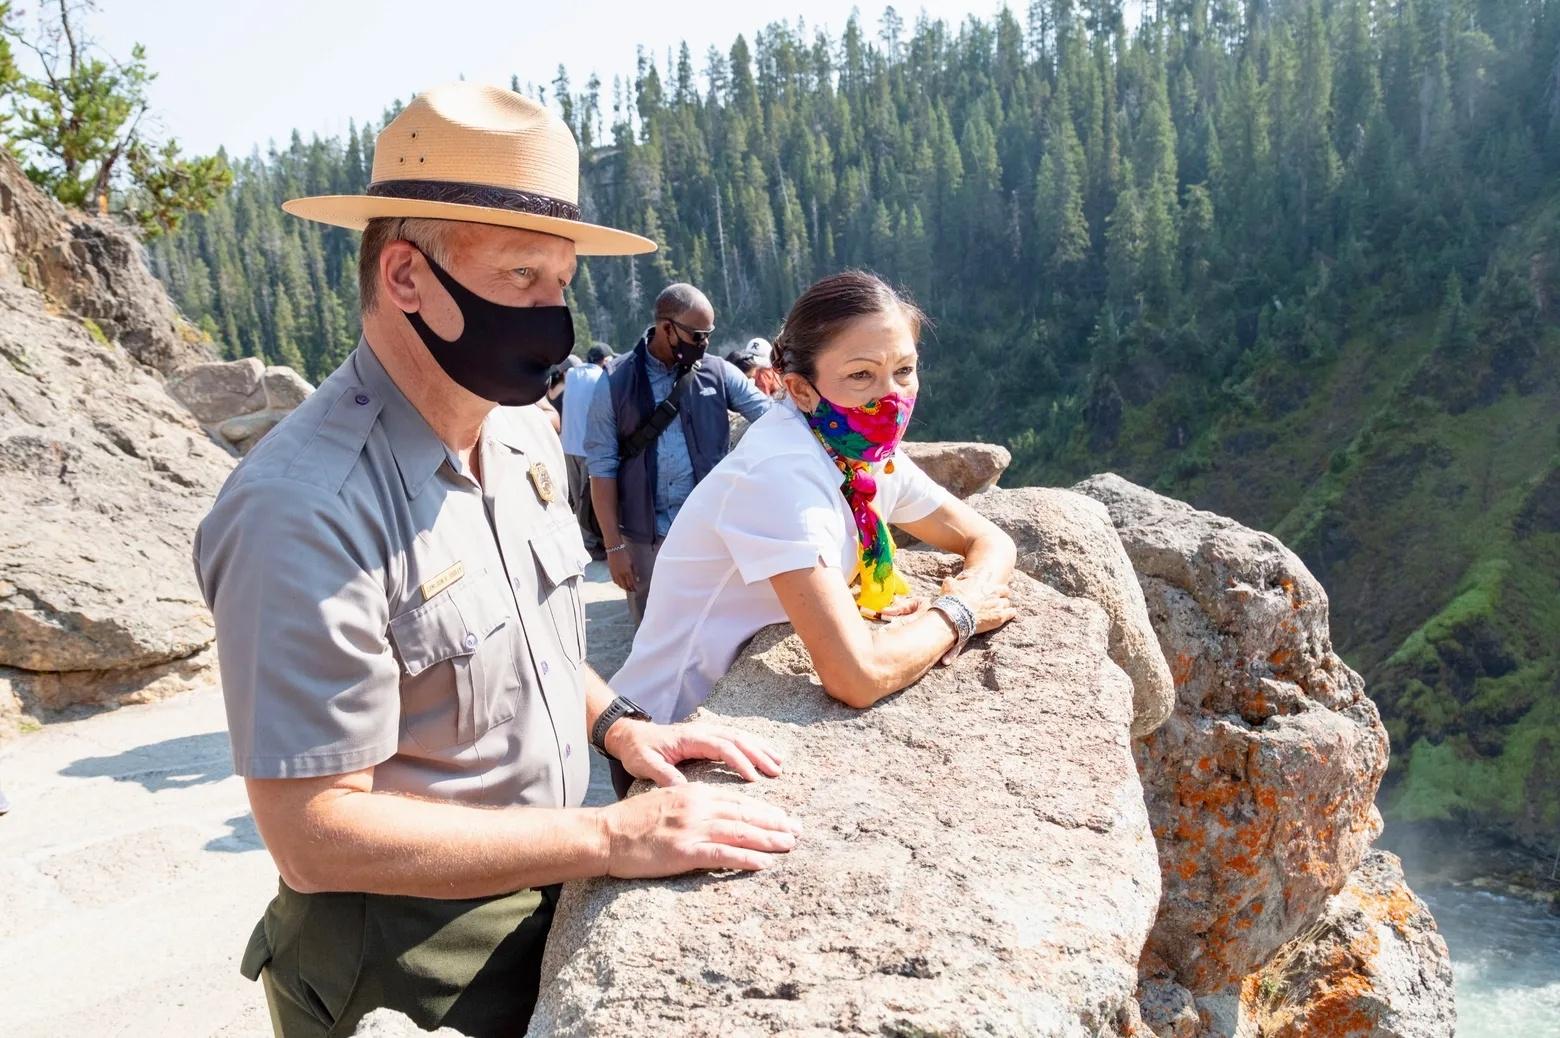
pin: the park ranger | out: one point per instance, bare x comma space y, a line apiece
395, 575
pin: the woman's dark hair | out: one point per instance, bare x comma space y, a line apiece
829, 304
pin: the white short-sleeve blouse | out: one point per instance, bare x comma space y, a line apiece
771, 506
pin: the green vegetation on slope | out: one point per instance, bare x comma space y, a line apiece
1418, 474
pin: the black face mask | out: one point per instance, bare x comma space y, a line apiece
503, 353
685, 354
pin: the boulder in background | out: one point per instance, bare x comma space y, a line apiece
239, 401
964, 469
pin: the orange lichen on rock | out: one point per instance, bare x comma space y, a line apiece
1260, 786
1403, 910
1208, 796
1334, 999
1350, 976
1397, 907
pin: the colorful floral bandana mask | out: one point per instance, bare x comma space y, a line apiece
857, 437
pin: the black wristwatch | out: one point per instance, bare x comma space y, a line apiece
618, 709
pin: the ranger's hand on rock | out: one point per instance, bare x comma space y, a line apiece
684, 828
653, 751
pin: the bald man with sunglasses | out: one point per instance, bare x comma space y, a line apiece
658, 424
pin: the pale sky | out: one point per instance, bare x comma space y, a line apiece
240, 72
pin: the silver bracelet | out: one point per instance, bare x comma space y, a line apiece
621, 547
959, 614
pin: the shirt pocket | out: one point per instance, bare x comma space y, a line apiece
561, 558
458, 670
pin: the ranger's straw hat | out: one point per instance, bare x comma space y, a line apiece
479, 154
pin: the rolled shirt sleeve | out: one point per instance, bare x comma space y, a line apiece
742, 396
311, 684
916, 495
778, 517
601, 440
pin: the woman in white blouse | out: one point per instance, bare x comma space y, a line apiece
792, 524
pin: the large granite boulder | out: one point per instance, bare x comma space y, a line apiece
975, 858
284, 388
1372, 966
239, 401
216, 390
105, 475
1067, 541
1261, 784
965, 469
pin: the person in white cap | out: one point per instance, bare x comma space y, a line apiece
756, 360
395, 578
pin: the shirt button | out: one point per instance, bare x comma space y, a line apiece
471, 641
545, 668
568, 749
361, 398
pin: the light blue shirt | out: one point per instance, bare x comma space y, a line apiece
579, 385
673, 465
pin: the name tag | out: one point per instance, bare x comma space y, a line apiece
436, 584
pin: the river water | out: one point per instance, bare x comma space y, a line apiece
1506, 959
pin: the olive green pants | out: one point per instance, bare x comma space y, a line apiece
328, 960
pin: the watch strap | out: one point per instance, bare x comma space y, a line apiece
618, 709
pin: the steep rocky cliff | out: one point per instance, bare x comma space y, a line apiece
973, 861
116, 429
105, 474
1261, 785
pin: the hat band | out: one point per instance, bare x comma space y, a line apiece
484, 195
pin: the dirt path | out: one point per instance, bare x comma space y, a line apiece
131, 873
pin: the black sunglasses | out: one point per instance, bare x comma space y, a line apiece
701, 336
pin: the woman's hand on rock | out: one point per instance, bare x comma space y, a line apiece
904, 606
988, 599
683, 828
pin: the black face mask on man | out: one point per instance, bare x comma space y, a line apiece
685, 354
503, 353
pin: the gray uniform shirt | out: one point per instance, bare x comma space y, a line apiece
376, 606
